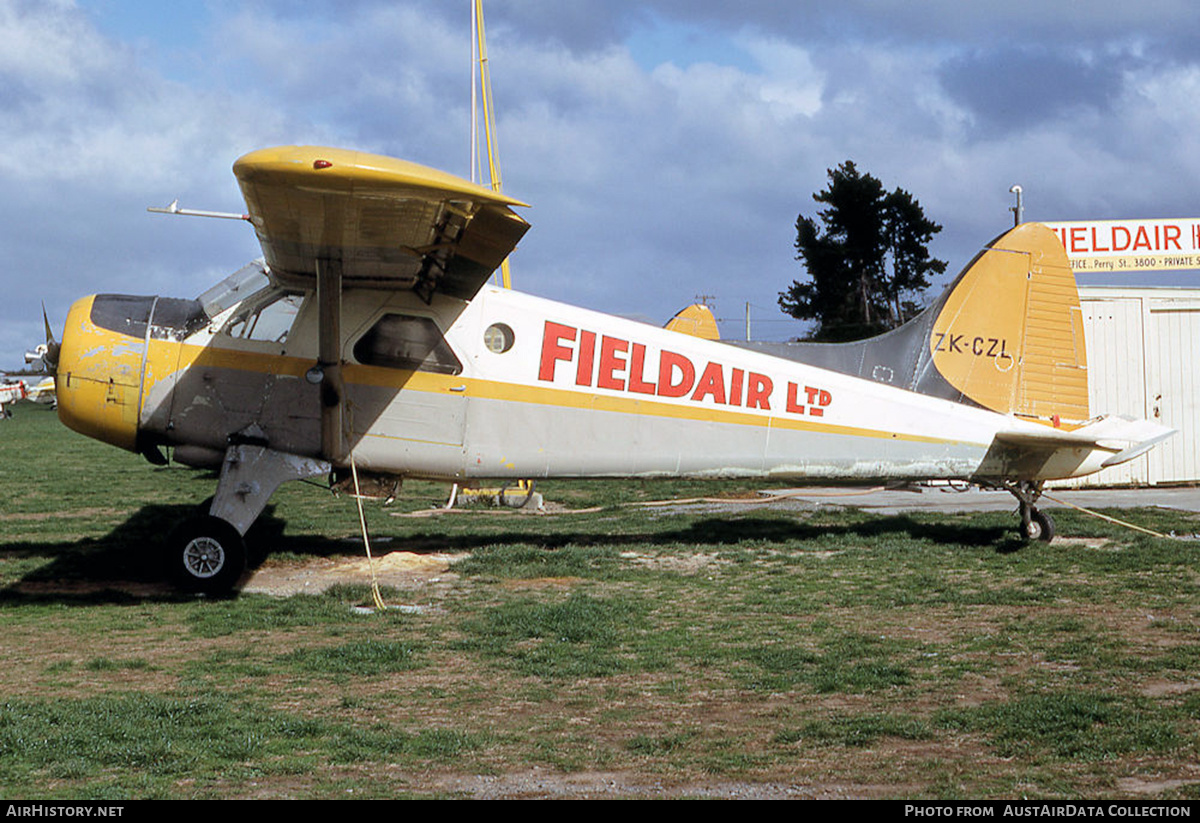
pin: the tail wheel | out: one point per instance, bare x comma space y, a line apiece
207, 555
1040, 526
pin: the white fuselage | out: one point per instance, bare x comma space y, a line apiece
567, 392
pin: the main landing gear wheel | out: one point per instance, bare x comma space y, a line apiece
1038, 526
207, 555
1035, 525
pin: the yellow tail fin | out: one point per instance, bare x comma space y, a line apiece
1009, 335
696, 320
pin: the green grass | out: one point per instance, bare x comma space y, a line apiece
364, 658
528, 561
579, 637
841, 663
1072, 726
915, 655
189, 747
257, 613
855, 730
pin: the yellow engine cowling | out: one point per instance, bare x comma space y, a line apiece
99, 379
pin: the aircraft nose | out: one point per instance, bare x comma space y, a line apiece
99, 375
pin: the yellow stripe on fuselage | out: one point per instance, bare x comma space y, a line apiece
506, 391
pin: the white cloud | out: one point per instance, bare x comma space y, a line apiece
792, 85
651, 179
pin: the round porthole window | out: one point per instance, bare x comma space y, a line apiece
498, 338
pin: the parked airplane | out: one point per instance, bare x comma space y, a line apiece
10, 393
368, 339
44, 392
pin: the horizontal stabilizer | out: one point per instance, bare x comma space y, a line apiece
1136, 450
1125, 437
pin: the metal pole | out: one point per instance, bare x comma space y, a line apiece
1019, 209
474, 105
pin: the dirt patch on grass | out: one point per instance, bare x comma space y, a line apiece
538, 784
687, 563
542, 583
400, 569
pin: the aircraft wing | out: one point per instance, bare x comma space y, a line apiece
332, 219
378, 221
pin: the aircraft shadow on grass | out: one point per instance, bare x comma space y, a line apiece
128, 565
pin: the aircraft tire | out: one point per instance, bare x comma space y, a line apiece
207, 555
1041, 527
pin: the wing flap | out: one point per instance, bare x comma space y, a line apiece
388, 223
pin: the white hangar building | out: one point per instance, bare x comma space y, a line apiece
1143, 359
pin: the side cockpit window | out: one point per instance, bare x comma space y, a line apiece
267, 321
400, 341
243, 284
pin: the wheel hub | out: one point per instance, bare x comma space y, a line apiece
204, 557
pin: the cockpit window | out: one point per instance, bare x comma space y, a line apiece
168, 318
268, 321
401, 341
242, 284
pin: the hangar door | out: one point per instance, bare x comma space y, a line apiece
1143, 356
1172, 388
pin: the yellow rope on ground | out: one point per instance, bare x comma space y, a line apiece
754, 501
362, 522
1105, 517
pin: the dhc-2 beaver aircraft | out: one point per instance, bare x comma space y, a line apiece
367, 338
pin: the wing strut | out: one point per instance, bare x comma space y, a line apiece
329, 358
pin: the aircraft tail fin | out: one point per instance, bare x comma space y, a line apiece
1007, 335
696, 320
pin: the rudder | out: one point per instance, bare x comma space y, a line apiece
1009, 332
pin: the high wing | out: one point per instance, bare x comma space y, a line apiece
382, 222
335, 219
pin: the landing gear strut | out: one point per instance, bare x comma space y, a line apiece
208, 552
1035, 525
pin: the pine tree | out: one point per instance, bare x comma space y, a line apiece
868, 262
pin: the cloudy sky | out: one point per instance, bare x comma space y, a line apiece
666, 146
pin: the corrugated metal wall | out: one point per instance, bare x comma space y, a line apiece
1172, 390
1143, 356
